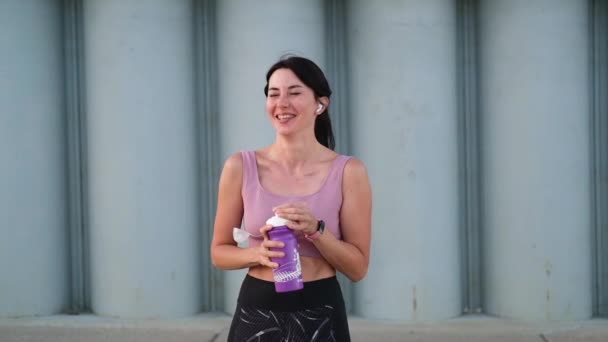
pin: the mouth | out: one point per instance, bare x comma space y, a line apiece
283, 118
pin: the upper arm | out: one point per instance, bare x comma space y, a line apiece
229, 211
356, 211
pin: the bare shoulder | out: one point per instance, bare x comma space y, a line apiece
234, 164
232, 173
355, 171
355, 180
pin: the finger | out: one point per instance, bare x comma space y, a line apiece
264, 230
276, 254
297, 205
272, 244
295, 217
301, 205
287, 210
272, 252
266, 262
272, 264
291, 210
299, 226
305, 227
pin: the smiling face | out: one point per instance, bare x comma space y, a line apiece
290, 104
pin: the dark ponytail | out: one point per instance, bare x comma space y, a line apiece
311, 75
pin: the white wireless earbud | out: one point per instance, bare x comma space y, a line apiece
320, 108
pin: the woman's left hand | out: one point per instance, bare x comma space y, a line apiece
299, 215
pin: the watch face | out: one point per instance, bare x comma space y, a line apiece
321, 226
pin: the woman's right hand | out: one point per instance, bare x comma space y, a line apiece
263, 251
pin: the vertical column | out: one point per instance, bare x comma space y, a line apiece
208, 146
470, 183
336, 71
336, 53
280, 27
404, 112
142, 160
599, 17
33, 199
535, 106
76, 154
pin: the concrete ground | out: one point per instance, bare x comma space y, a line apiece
213, 328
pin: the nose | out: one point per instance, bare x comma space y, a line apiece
283, 101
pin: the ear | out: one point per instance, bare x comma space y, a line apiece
324, 101
320, 108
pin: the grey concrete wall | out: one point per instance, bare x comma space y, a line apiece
142, 130
535, 152
33, 181
142, 158
404, 127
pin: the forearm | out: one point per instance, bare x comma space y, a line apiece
231, 257
343, 256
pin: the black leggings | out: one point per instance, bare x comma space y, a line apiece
316, 313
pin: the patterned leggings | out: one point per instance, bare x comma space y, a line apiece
315, 313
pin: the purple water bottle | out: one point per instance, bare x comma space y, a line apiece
288, 276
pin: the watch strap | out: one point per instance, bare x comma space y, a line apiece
316, 235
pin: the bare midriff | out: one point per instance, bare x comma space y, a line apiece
312, 269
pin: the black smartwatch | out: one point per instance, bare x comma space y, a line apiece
320, 229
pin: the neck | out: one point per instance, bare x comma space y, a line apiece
294, 152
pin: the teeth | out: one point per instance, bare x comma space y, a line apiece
285, 116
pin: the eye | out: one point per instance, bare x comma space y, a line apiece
273, 95
294, 94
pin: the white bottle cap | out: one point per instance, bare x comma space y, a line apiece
276, 221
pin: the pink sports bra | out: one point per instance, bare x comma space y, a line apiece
325, 204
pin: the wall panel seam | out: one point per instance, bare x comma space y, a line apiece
208, 144
599, 146
469, 160
337, 66
336, 50
76, 156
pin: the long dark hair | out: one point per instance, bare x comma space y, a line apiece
311, 75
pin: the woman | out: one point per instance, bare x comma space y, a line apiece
325, 196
